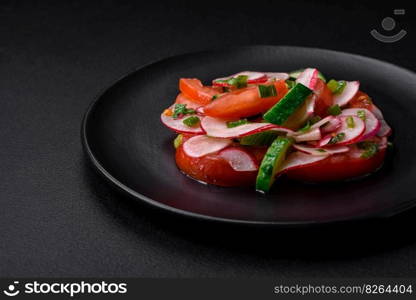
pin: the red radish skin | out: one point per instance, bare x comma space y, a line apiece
177, 125
309, 78
218, 128
202, 145
350, 90
239, 159
352, 135
321, 151
372, 124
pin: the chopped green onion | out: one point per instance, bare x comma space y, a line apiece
239, 82
370, 148
336, 87
334, 110
232, 124
321, 150
266, 91
180, 109
177, 141
214, 97
315, 119
361, 114
290, 83
191, 121
336, 139
225, 89
350, 122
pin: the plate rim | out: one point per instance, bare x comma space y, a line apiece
383, 214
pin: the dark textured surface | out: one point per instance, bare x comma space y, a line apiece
57, 218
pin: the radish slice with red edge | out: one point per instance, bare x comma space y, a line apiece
351, 88
201, 145
252, 77
239, 159
321, 151
178, 125
350, 135
218, 128
332, 125
322, 122
277, 76
309, 78
312, 135
297, 159
385, 129
372, 124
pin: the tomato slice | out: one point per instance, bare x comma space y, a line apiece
213, 169
197, 92
361, 100
183, 99
324, 99
338, 167
244, 102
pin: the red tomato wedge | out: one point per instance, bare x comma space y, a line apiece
244, 102
183, 99
324, 99
197, 92
214, 169
338, 167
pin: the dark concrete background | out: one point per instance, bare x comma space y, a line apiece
58, 218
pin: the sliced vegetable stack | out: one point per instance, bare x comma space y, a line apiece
252, 127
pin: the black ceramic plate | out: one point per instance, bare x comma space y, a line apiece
126, 142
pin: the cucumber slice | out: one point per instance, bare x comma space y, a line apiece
272, 162
177, 141
283, 109
264, 138
295, 75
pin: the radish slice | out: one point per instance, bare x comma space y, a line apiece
252, 77
239, 159
322, 122
332, 125
372, 125
310, 105
218, 128
351, 88
309, 78
351, 135
178, 126
277, 76
383, 143
321, 151
298, 159
385, 129
312, 135
201, 145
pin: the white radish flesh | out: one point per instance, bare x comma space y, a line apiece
312, 135
309, 78
218, 128
372, 124
239, 159
201, 145
299, 159
321, 151
178, 125
351, 88
350, 135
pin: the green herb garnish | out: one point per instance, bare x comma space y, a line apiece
350, 122
290, 83
336, 87
266, 91
180, 109
214, 97
232, 124
191, 121
334, 110
321, 150
239, 82
177, 141
315, 119
361, 114
370, 148
336, 139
